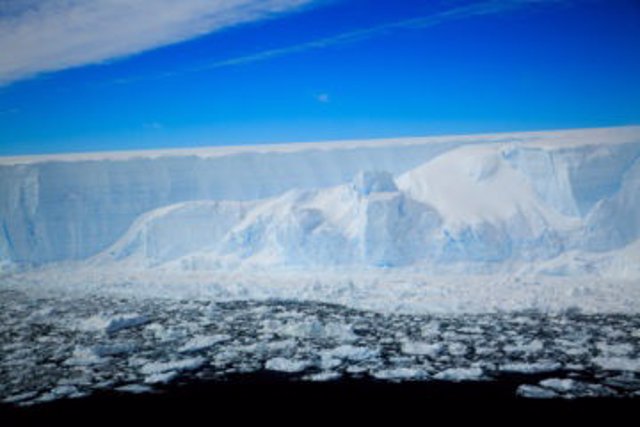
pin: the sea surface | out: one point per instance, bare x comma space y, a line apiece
71, 353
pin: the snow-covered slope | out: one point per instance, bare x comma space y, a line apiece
366, 222
454, 204
168, 233
491, 211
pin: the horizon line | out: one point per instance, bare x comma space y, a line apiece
284, 146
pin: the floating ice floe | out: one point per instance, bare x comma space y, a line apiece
460, 374
114, 349
17, 398
64, 390
177, 365
114, 323
134, 388
421, 348
161, 378
84, 356
457, 349
625, 381
166, 334
329, 362
559, 384
570, 388
535, 392
618, 363
527, 348
311, 328
282, 364
351, 353
265, 349
530, 368
324, 376
619, 349
203, 342
401, 374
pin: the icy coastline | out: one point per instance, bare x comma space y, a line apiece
539, 220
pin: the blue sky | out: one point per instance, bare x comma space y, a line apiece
155, 75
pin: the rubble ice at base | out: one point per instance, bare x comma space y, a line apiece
536, 220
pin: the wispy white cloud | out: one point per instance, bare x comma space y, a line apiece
486, 7
38, 36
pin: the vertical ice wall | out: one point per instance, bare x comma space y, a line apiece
573, 180
53, 210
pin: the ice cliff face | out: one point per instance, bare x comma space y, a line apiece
488, 201
614, 221
72, 207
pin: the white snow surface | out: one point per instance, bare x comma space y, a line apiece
542, 220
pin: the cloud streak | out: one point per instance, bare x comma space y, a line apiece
38, 36
490, 7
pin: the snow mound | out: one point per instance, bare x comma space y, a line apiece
475, 185
490, 211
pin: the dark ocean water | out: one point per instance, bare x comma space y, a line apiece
112, 357
271, 397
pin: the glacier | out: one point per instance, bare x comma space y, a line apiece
551, 219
